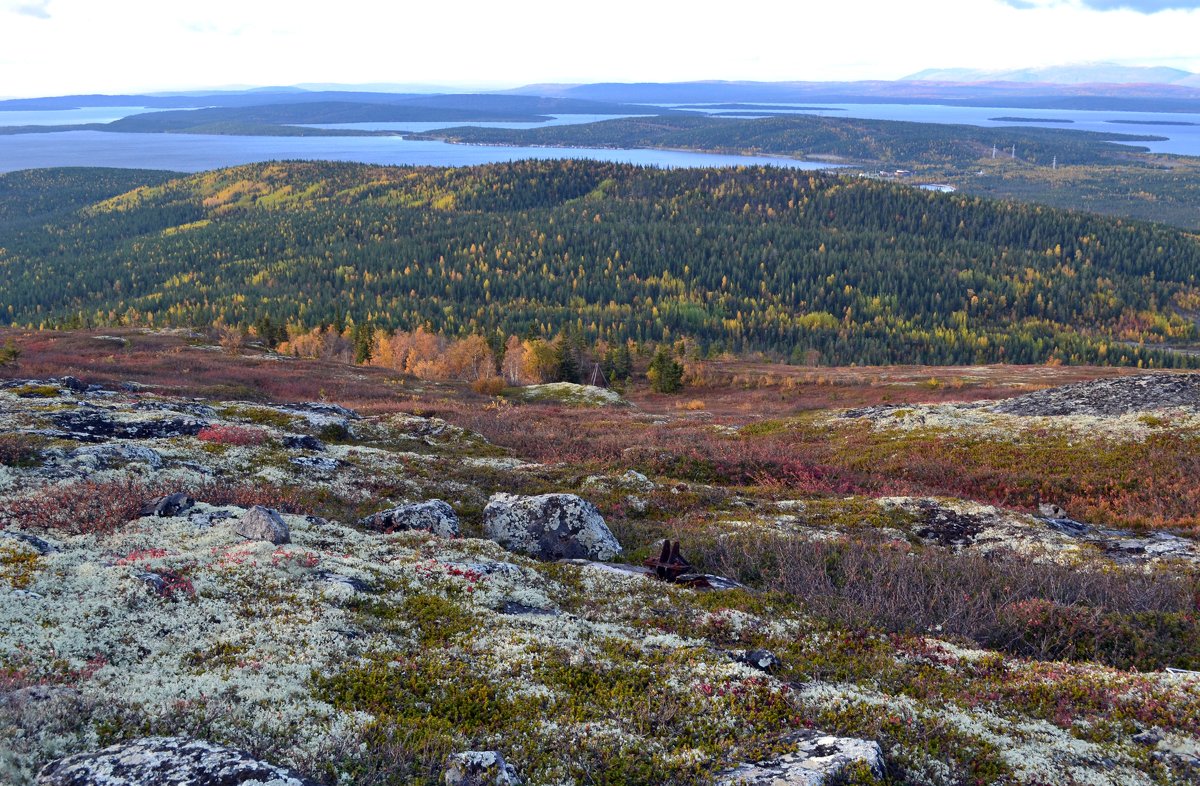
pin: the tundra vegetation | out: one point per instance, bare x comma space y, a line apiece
886, 526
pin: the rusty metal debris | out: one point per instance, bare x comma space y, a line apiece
669, 565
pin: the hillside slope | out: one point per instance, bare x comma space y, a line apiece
740, 259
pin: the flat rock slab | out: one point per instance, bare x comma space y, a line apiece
815, 760
166, 761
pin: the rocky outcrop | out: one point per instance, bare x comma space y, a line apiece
259, 523
97, 457
962, 525
816, 759
433, 515
479, 768
1110, 397
549, 526
93, 425
167, 761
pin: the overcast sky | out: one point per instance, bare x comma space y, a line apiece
54, 47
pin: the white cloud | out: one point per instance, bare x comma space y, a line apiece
138, 45
38, 9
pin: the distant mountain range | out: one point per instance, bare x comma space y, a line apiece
1079, 74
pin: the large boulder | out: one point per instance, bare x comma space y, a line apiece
166, 761
432, 515
261, 523
549, 526
479, 768
815, 759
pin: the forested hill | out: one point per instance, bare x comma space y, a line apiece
741, 259
808, 136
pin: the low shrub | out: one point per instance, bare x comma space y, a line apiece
489, 386
81, 507
232, 435
21, 450
1004, 601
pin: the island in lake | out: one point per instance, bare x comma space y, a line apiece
1030, 120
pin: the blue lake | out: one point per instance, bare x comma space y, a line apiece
191, 153
196, 152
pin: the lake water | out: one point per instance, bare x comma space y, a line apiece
66, 117
192, 153
196, 152
1181, 139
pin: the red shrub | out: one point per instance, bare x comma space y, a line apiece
86, 506
232, 435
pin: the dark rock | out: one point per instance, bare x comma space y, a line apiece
433, 515
515, 609
549, 526
1070, 527
261, 523
479, 768
166, 583
303, 442
318, 463
72, 384
323, 408
170, 505
166, 761
763, 660
206, 520
358, 585
708, 581
42, 547
815, 759
947, 527
1109, 397
90, 425
177, 407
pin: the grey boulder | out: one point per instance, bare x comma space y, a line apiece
166, 761
261, 523
815, 760
549, 526
433, 515
479, 768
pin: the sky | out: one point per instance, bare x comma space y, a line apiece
58, 47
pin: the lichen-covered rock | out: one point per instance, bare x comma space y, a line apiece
259, 523
550, 526
169, 505
96, 457
814, 761
433, 515
166, 761
93, 425
316, 463
479, 768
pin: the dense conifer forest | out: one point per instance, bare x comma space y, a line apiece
806, 267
